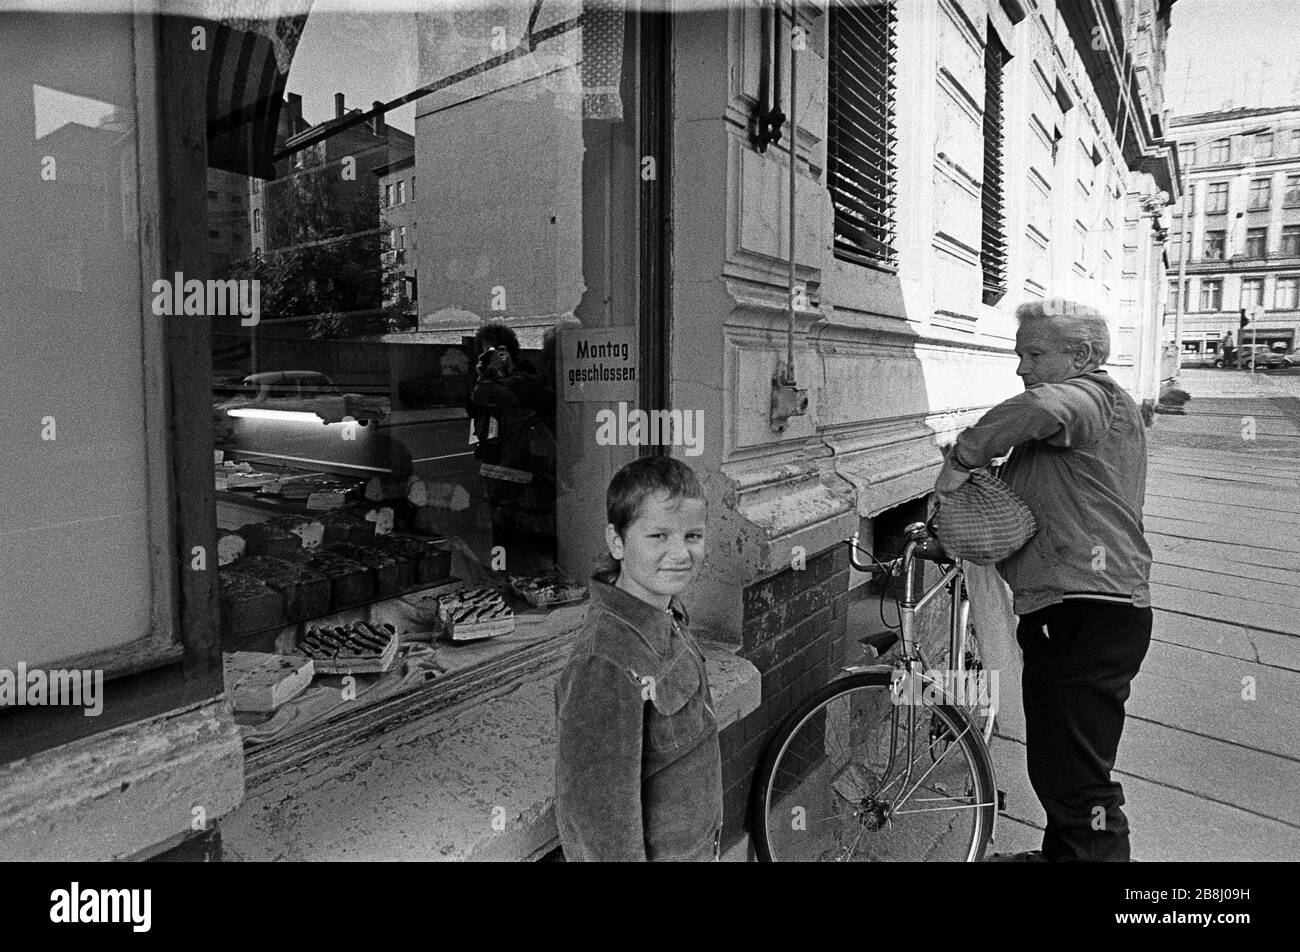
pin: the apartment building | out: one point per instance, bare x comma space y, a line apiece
1240, 245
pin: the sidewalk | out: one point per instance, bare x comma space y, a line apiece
1207, 773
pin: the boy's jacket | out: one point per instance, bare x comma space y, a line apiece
638, 773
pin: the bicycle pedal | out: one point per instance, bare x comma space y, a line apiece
1002, 801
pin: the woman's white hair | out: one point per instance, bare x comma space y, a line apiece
1075, 324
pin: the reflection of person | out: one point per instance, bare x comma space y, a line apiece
513, 413
1080, 585
638, 770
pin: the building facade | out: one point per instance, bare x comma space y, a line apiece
1015, 154
1240, 245
801, 241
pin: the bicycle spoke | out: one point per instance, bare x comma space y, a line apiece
956, 742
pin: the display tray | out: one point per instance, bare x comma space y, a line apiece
573, 591
366, 603
375, 662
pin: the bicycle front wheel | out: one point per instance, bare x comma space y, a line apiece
835, 783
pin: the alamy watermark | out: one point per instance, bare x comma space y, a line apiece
966, 688
211, 298
626, 427
60, 687
77, 905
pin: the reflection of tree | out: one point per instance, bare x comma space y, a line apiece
325, 249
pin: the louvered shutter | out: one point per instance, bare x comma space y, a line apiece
993, 244
861, 171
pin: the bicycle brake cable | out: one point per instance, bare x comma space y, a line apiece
889, 576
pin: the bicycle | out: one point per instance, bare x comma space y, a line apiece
838, 782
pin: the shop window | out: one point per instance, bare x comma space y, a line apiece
393, 451
1212, 294
1214, 245
1220, 151
861, 165
993, 238
1261, 194
1216, 198
1290, 241
1256, 242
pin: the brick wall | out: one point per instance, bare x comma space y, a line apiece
794, 633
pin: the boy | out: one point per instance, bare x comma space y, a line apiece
639, 770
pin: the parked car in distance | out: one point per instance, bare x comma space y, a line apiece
1240, 357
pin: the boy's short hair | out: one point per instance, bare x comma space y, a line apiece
629, 489
644, 477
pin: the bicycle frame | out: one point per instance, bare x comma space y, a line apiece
921, 546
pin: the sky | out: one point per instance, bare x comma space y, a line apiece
1232, 54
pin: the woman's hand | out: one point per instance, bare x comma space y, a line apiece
950, 479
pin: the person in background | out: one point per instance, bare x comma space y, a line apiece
1080, 585
513, 414
638, 771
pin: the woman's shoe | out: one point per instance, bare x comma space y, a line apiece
1029, 856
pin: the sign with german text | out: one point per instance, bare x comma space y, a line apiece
600, 364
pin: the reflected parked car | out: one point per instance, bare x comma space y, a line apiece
299, 392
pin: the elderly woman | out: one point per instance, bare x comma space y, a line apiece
1080, 585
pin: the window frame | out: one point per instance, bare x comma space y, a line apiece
1291, 192
1291, 282
1255, 298
1290, 249
178, 662
186, 669
1220, 152
1214, 190
1260, 237
1220, 241
1267, 190
1214, 287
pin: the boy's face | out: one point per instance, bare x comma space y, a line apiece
662, 550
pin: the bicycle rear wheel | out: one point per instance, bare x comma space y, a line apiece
833, 784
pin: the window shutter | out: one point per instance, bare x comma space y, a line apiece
993, 246
861, 170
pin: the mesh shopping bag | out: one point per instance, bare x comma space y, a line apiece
983, 521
